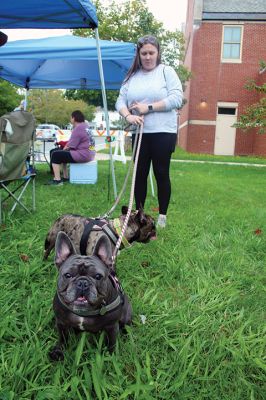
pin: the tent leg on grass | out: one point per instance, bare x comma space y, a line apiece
105, 109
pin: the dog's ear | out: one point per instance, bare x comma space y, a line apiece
141, 216
124, 210
64, 248
103, 250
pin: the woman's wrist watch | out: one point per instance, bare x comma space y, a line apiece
150, 108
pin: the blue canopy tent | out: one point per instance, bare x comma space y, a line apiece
54, 14
68, 62
48, 14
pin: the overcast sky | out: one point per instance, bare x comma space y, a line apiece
171, 12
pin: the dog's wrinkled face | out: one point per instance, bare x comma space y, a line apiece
141, 227
83, 280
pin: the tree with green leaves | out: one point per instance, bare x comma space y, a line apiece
9, 98
255, 115
127, 22
51, 106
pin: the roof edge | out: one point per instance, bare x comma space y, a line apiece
234, 16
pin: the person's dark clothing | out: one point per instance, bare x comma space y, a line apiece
156, 148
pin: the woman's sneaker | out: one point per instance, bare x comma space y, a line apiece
65, 179
161, 222
53, 182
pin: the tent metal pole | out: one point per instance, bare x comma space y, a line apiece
105, 108
26, 100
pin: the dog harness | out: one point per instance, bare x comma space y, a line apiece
100, 224
95, 224
119, 230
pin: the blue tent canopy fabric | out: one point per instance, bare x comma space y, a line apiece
65, 62
47, 14
51, 14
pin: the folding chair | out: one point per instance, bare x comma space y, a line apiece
17, 130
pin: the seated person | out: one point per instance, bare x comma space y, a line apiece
79, 149
59, 146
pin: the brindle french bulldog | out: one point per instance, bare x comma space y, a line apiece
89, 297
140, 228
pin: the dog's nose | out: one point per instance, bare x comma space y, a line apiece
82, 284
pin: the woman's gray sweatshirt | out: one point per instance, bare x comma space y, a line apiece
162, 83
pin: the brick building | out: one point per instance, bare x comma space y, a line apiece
225, 40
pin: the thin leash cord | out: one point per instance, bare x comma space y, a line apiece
109, 213
131, 196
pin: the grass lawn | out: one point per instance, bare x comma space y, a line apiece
200, 285
181, 154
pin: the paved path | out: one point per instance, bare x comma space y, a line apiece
103, 156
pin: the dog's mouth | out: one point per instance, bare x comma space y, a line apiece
150, 236
81, 301
153, 235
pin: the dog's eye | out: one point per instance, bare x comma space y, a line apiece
98, 277
67, 275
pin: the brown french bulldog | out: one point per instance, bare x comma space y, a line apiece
89, 297
140, 228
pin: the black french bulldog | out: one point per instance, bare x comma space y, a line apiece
89, 297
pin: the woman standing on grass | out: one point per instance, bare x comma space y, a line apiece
153, 90
79, 149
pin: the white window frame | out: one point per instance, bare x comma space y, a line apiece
233, 60
227, 104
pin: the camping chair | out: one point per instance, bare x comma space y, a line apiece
16, 150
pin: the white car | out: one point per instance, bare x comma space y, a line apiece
47, 131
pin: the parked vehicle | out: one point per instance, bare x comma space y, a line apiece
47, 131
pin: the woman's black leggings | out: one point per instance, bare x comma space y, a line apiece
156, 148
61, 157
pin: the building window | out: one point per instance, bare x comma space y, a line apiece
232, 43
226, 111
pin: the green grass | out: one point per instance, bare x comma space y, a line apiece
200, 285
181, 154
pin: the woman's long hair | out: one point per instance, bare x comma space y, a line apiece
136, 65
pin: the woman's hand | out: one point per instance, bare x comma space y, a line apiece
141, 108
135, 119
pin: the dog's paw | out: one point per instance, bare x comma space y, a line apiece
56, 354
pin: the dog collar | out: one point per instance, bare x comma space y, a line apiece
118, 229
105, 308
